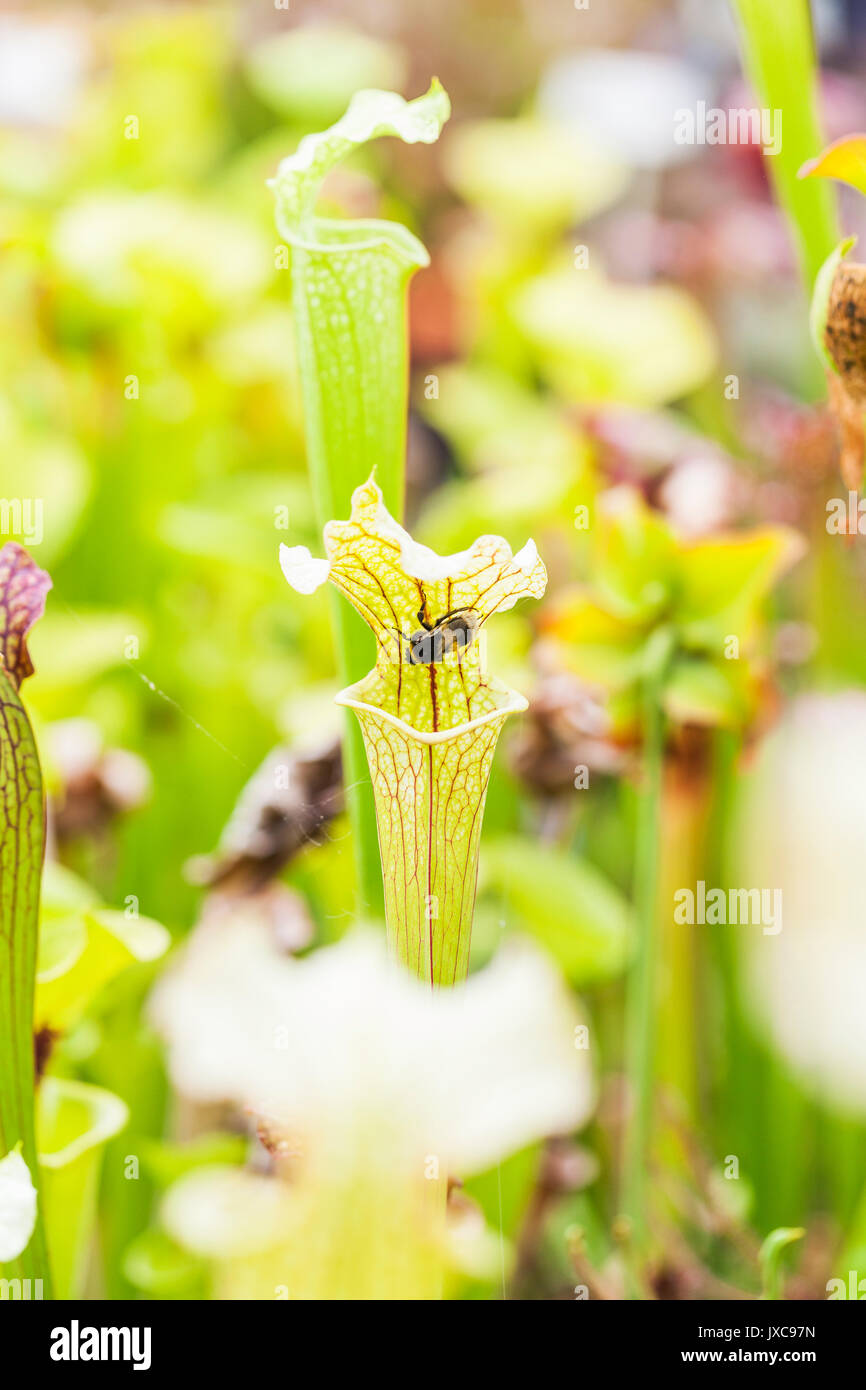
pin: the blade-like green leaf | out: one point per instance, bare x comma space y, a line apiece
771, 1259
22, 840
565, 903
21, 848
779, 59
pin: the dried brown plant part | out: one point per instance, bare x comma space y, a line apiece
287, 804
273, 908
845, 328
285, 1150
844, 338
565, 728
43, 1045
97, 784
848, 417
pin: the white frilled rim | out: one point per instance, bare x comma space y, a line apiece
420, 562
512, 703
305, 573
302, 570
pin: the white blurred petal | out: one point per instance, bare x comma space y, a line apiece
803, 831
510, 1042
303, 571
526, 557
223, 1212
17, 1206
41, 67
416, 559
329, 1046
628, 99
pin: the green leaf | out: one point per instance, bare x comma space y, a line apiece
480, 406
564, 902
370, 115
595, 340
128, 250
61, 942
308, 74
55, 468
722, 580
530, 172
22, 827
80, 954
636, 557
700, 692
75, 1121
71, 649
63, 892
599, 647
779, 58
161, 1269
166, 1162
771, 1259
505, 1193
853, 1255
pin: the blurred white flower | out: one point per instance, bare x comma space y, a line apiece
17, 1206
700, 494
804, 831
378, 1088
41, 67
326, 1044
628, 99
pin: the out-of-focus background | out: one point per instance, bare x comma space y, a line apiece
606, 307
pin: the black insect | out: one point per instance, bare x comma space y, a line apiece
454, 631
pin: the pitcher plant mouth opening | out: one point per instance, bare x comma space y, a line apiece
361, 697
429, 710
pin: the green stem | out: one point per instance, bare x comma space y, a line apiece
22, 839
779, 59
350, 394
640, 997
